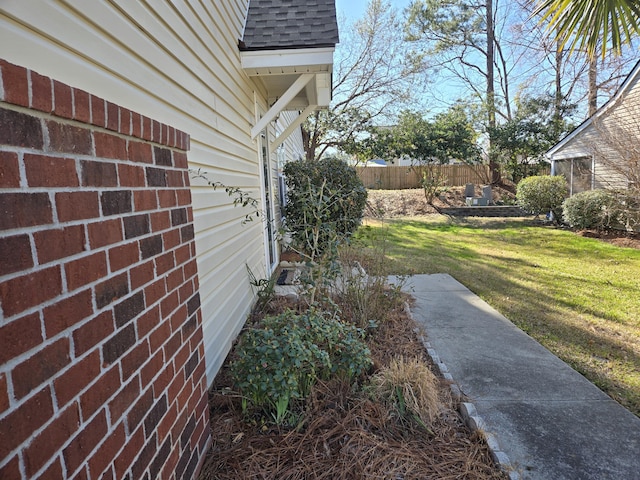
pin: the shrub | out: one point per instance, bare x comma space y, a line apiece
325, 203
590, 209
282, 359
542, 194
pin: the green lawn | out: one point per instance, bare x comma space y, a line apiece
579, 297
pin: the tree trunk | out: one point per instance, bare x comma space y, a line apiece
593, 85
494, 167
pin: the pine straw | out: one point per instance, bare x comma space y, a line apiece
344, 434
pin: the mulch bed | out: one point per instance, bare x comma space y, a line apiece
344, 434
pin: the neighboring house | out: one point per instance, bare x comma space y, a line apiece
604, 151
123, 278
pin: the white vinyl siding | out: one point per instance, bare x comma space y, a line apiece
176, 62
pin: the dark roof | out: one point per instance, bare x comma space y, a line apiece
280, 24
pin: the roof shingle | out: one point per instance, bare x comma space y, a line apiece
280, 24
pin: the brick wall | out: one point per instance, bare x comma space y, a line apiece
101, 353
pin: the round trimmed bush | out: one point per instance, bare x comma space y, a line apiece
590, 209
542, 194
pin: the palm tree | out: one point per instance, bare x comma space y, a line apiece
585, 24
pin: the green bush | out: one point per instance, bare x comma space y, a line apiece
325, 203
542, 194
590, 209
282, 359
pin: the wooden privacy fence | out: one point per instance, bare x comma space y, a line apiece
401, 177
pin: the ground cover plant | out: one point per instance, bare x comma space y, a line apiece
397, 422
576, 295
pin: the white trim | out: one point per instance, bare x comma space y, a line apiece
282, 102
601, 111
291, 127
287, 61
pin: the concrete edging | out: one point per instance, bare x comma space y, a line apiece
468, 410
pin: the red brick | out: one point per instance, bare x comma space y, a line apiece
84, 443
171, 239
146, 128
136, 124
123, 256
173, 344
107, 452
132, 447
81, 106
98, 114
145, 200
149, 371
77, 205
128, 309
164, 263
156, 131
66, 138
14, 81
156, 177
85, 270
182, 254
81, 474
4, 393
123, 400
155, 291
140, 409
53, 471
62, 101
169, 305
110, 146
131, 361
19, 336
93, 332
148, 320
74, 380
11, 470
159, 336
180, 160
142, 274
174, 280
41, 366
125, 121
111, 289
123, 341
20, 129
41, 93
49, 441
167, 198
46, 171
56, 244
131, 175
15, 253
67, 312
20, 424
151, 246
105, 233
18, 294
113, 118
183, 353
19, 210
160, 221
175, 179
100, 392
9, 170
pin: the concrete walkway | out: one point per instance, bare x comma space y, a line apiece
548, 419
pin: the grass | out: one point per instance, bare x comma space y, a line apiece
579, 297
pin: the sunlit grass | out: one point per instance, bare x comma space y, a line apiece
579, 297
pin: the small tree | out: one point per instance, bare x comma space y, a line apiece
542, 194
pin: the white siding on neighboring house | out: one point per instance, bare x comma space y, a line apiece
610, 138
176, 62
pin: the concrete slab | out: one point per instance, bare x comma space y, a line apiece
550, 421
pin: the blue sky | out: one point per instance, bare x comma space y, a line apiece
354, 9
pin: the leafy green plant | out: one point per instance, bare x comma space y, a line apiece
325, 203
280, 361
590, 209
542, 194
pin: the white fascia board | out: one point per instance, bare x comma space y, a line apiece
276, 62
